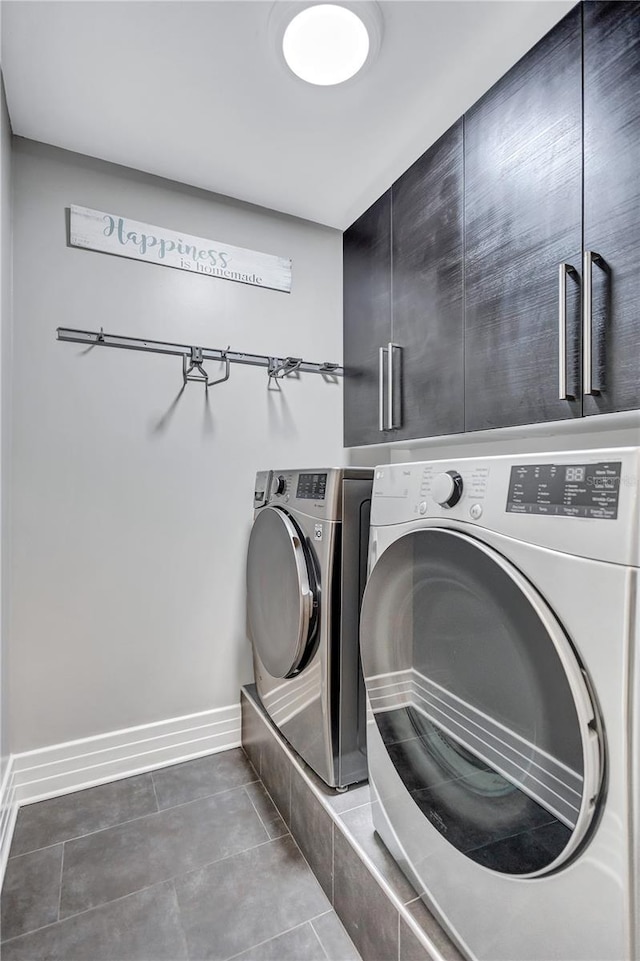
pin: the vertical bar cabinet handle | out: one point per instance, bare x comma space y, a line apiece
587, 331
563, 271
381, 424
390, 386
590, 352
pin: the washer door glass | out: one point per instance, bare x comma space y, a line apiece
282, 601
480, 701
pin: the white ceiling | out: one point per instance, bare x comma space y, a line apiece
196, 91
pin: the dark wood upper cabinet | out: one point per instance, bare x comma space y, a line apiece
367, 319
505, 262
403, 285
523, 219
427, 292
612, 202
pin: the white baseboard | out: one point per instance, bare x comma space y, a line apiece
8, 815
74, 765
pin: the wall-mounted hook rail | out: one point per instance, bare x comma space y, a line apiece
193, 358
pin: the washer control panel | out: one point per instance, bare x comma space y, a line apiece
318, 493
312, 487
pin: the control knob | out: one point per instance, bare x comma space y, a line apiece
281, 484
447, 488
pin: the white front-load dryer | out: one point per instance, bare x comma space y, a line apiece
498, 636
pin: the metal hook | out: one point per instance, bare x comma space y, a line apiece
278, 369
272, 371
196, 360
227, 369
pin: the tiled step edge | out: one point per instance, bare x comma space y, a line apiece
380, 912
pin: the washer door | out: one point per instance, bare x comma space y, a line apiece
282, 597
480, 701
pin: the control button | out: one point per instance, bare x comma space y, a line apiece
447, 488
476, 511
423, 507
281, 485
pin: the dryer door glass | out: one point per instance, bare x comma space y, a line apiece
282, 598
480, 701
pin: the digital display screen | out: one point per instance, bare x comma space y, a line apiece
575, 473
312, 487
576, 490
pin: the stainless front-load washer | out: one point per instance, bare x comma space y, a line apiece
306, 571
499, 636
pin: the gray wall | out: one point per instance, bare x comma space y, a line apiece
132, 507
5, 419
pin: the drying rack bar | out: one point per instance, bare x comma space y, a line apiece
279, 365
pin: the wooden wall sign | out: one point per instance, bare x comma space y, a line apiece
113, 234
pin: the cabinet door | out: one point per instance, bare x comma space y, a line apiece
427, 300
523, 219
367, 320
612, 201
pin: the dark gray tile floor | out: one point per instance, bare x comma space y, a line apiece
187, 863
379, 908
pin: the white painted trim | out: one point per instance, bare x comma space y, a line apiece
8, 815
75, 765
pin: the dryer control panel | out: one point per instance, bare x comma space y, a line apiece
566, 490
582, 502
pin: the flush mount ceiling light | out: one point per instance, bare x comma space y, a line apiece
327, 43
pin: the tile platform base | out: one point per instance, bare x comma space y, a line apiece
378, 907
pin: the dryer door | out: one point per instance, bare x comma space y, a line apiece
282, 596
481, 702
